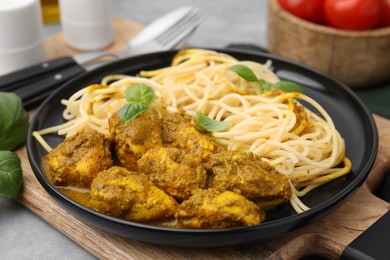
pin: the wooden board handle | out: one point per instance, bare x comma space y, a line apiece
329, 236
381, 167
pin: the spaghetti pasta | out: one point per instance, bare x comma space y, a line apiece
299, 143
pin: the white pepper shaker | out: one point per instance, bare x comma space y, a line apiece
21, 39
86, 24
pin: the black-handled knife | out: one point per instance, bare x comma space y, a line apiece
18, 79
39, 89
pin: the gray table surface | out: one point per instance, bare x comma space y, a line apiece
23, 235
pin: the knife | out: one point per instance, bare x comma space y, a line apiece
34, 83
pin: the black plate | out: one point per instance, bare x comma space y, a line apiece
350, 116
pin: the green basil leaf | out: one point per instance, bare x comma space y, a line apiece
13, 121
288, 86
11, 175
140, 94
265, 86
208, 124
244, 72
130, 111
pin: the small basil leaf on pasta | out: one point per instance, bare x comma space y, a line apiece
139, 97
288, 86
244, 72
130, 111
140, 94
208, 124
265, 86
247, 74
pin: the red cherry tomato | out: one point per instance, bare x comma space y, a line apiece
309, 10
353, 14
385, 21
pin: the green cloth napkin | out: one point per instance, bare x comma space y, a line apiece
376, 99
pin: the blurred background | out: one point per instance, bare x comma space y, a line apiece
227, 21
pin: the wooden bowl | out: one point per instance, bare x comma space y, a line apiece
356, 58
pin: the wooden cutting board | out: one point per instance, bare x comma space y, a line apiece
327, 236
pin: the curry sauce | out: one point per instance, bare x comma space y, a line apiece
177, 176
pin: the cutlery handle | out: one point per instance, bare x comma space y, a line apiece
36, 91
17, 79
372, 243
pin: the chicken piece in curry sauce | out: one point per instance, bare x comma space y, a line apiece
120, 193
165, 169
213, 209
174, 171
133, 139
180, 132
248, 175
77, 160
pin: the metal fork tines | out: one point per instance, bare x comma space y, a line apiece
177, 33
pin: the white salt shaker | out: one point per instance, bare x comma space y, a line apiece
86, 24
21, 38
